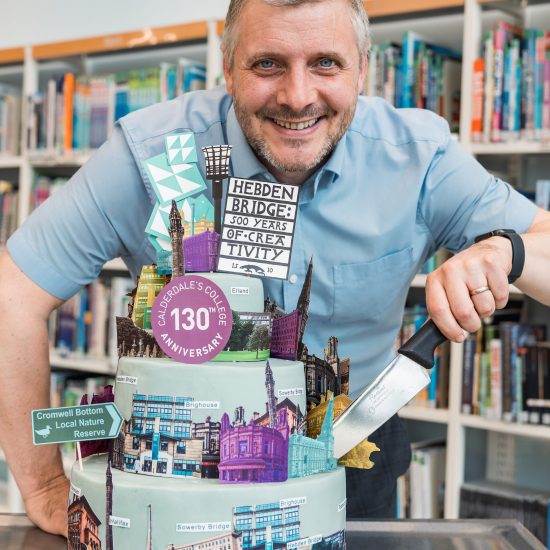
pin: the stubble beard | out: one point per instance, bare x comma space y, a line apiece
261, 147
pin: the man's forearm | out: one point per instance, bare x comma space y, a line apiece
535, 280
25, 375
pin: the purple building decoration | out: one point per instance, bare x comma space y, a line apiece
288, 331
253, 452
201, 252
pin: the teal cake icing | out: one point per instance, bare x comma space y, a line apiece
173, 514
211, 456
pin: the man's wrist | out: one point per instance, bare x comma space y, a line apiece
515, 250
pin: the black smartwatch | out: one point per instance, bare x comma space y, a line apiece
518, 250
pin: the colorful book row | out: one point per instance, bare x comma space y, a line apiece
436, 394
85, 324
511, 86
10, 121
417, 73
506, 373
78, 112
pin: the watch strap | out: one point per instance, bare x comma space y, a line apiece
518, 250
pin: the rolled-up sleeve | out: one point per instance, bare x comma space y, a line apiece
460, 200
98, 215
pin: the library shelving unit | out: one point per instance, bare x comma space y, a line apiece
452, 23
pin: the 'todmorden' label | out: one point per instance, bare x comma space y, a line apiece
342, 505
203, 527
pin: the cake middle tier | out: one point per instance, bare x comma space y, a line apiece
234, 421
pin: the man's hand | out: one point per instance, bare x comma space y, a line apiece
449, 289
47, 507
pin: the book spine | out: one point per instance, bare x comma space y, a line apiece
496, 379
489, 83
68, 96
468, 373
477, 99
498, 77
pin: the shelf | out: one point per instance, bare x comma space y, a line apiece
513, 428
425, 414
115, 265
122, 41
12, 55
10, 162
83, 363
77, 159
511, 148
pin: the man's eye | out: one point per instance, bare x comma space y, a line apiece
266, 64
326, 63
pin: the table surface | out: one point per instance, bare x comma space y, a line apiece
17, 533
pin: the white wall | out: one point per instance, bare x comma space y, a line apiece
24, 22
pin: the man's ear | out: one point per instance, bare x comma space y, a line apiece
362, 73
228, 76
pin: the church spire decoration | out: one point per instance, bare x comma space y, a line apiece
271, 399
303, 306
176, 236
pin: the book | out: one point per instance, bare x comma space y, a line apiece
477, 99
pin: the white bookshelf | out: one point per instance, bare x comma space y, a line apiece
461, 30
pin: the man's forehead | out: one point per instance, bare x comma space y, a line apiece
321, 26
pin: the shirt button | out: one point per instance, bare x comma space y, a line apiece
293, 278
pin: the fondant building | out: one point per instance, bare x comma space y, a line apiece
227, 541
307, 456
176, 239
285, 336
201, 251
209, 432
263, 521
149, 285
158, 439
251, 453
83, 526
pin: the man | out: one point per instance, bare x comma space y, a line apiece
381, 190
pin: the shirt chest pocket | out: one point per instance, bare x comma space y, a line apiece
366, 290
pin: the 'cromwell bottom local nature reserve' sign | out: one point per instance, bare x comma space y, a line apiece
81, 423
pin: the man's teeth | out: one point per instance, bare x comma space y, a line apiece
296, 125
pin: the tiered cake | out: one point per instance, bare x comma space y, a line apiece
211, 456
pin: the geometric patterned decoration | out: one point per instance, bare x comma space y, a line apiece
180, 148
173, 181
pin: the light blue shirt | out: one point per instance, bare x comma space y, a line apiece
396, 188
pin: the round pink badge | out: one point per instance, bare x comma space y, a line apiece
191, 319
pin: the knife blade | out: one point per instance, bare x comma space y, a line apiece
391, 390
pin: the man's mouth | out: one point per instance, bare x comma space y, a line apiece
302, 125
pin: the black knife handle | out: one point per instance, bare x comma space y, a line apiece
421, 347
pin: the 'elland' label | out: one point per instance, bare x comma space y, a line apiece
203, 527
116, 521
288, 502
342, 505
75, 490
243, 290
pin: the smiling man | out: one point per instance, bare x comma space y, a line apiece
380, 191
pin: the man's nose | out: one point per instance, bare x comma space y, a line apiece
297, 89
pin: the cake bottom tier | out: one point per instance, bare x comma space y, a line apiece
113, 510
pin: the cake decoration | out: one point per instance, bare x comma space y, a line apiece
258, 228
245, 402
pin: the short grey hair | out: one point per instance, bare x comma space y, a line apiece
359, 20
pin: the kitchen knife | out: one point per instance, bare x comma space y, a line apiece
391, 390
